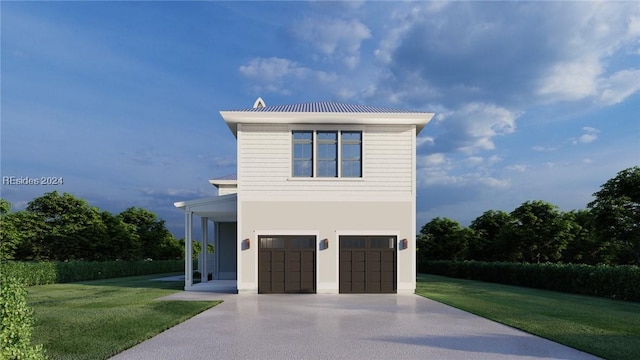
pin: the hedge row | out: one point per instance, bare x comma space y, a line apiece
617, 282
16, 319
40, 273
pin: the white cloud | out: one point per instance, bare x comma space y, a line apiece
438, 169
334, 38
473, 127
590, 135
474, 161
617, 87
544, 148
273, 68
470, 52
517, 167
270, 73
571, 80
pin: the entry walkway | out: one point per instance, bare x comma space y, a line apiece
341, 327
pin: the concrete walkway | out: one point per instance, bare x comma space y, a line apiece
340, 327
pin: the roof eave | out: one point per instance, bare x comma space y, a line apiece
233, 118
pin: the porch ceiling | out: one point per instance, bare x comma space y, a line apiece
218, 208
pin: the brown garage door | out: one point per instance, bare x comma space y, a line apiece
287, 264
367, 264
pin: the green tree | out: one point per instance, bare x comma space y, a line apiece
616, 214
65, 227
120, 240
537, 233
156, 242
9, 235
484, 245
584, 247
443, 239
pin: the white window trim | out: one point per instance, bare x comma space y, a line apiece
314, 141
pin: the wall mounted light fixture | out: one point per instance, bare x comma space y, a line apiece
404, 244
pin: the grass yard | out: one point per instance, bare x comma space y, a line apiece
606, 328
98, 319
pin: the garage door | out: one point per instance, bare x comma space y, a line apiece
287, 264
367, 264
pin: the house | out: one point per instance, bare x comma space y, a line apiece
324, 201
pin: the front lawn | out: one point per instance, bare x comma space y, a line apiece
98, 319
606, 328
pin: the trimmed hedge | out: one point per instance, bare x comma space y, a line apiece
617, 282
16, 320
40, 273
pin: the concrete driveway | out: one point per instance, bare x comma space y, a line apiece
341, 327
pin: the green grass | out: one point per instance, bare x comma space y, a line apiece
98, 319
606, 328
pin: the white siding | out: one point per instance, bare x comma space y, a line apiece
264, 164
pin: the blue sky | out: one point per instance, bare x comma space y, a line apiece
533, 101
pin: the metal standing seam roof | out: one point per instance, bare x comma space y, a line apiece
326, 107
227, 177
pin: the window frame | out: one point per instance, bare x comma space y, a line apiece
315, 159
294, 159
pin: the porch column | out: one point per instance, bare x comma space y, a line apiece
188, 259
204, 272
216, 252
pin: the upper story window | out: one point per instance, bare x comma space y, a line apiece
327, 153
351, 154
303, 153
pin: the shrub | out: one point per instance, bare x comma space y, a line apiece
617, 282
16, 319
40, 273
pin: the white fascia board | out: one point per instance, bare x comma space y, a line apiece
209, 200
223, 182
233, 118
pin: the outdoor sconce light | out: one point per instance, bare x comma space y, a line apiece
404, 243
247, 244
326, 243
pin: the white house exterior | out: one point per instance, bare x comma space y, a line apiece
324, 201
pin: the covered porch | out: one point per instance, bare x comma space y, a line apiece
218, 225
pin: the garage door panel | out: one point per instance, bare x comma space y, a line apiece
277, 266
387, 277
387, 267
358, 276
358, 256
388, 256
373, 266
293, 267
286, 264
293, 255
307, 267
277, 255
358, 287
277, 276
367, 264
373, 277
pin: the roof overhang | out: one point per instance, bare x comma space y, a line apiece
233, 118
219, 208
217, 183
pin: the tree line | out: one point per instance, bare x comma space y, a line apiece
60, 227
607, 232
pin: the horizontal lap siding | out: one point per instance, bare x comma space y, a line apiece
265, 164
